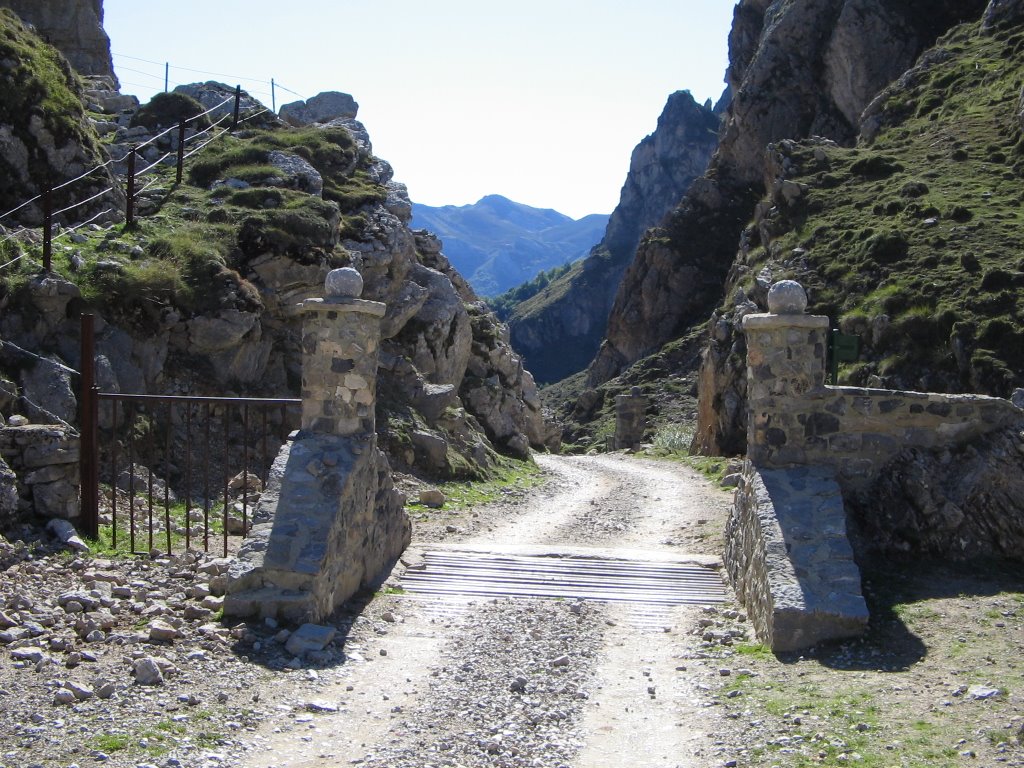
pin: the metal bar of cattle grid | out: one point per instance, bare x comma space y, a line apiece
452, 573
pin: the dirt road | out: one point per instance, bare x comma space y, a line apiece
457, 681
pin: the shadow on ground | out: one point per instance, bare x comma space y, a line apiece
265, 643
890, 586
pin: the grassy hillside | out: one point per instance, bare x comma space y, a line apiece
913, 240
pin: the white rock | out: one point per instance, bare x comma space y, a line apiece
309, 637
147, 671
161, 631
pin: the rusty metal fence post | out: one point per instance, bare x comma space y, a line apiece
47, 229
129, 210
89, 438
181, 153
238, 102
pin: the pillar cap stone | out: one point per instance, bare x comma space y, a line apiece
343, 283
787, 297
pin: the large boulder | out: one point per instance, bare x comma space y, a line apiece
322, 108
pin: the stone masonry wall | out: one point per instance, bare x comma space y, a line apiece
809, 446
796, 419
340, 342
44, 457
328, 524
789, 559
330, 521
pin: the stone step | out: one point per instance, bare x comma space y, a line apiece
281, 604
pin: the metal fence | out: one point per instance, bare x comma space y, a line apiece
208, 446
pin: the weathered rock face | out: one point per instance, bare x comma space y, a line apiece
960, 503
559, 336
45, 138
322, 108
75, 28
796, 70
1001, 12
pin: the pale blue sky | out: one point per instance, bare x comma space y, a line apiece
538, 100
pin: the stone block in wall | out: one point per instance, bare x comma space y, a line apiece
44, 457
789, 558
329, 524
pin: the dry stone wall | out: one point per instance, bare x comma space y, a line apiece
812, 447
45, 459
795, 419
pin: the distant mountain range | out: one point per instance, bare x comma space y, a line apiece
498, 244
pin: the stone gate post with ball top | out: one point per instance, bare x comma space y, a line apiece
330, 521
340, 340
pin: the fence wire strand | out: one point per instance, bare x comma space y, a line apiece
82, 202
67, 230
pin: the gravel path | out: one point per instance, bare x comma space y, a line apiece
407, 680
535, 682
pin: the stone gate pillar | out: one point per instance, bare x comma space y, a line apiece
330, 521
786, 352
340, 346
630, 419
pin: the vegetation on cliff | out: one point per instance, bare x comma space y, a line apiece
40, 102
912, 239
198, 294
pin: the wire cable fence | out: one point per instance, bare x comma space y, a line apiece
132, 177
263, 87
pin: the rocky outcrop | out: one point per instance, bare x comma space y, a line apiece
796, 70
1000, 12
960, 503
322, 108
74, 28
44, 133
559, 330
453, 393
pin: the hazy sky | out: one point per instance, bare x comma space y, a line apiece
538, 100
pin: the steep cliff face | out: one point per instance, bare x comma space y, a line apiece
905, 239
73, 27
558, 330
796, 70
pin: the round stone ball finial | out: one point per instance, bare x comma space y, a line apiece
787, 297
343, 283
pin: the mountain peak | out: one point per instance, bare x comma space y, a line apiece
498, 243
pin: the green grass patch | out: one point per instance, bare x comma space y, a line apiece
508, 478
913, 240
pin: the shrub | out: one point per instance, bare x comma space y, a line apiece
167, 109
885, 247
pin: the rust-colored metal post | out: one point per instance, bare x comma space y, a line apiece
129, 210
234, 120
89, 488
181, 153
47, 229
